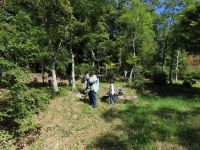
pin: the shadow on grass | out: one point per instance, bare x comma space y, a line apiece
85, 100
41, 85
143, 127
170, 113
109, 142
171, 91
187, 133
190, 137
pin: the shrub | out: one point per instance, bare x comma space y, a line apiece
138, 79
11, 74
23, 106
159, 77
22, 103
138, 83
187, 84
192, 73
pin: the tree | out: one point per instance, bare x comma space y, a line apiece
136, 26
188, 24
54, 16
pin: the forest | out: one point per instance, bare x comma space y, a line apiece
150, 48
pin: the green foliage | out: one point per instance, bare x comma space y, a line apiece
11, 73
138, 82
159, 77
192, 73
188, 23
138, 78
82, 68
22, 103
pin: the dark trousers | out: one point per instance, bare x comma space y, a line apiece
93, 99
112, 99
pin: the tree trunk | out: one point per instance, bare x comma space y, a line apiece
134, 47
93, 58
164, 54
131, 75
55, 84
73, 70
106, 70
177, 65
120, 59
134, 55
42, 72
171, 63
53, 69
99, 69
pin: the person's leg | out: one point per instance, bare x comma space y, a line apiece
94, 99
111, 99
90, 96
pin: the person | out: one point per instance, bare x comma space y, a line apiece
120, 96
120, 92
111, 93
85, 81
50, 80
93, 89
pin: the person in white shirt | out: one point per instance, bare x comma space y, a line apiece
112, 92
93, 89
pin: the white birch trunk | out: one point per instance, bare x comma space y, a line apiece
73, 71
93, 58
131, 75
134, 47
55, 84
53, 70
134, 54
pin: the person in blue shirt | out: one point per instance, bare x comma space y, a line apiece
93, 89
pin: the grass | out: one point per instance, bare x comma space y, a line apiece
161, 118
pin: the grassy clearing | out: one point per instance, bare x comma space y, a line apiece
159, 119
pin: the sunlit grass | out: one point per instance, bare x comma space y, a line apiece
153, 121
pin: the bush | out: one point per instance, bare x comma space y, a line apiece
187, 84
21, 103
159, 77
192, 73
138, 79
11, 73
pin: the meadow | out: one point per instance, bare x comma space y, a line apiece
161, 118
